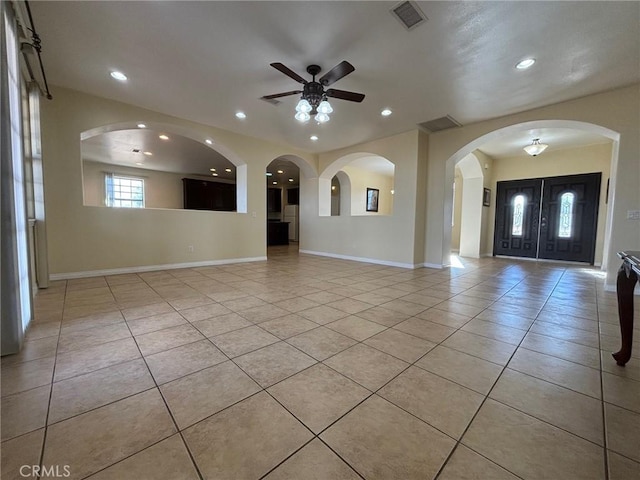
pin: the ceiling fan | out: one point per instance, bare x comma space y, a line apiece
314, 96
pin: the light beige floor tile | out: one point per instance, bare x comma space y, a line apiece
401, 345
239, 342
274, 363
246, 440
471, 372
166, 460
350, 305
27, 375
313, 462
465, 464
24, 412
381, 315
20, 454
204, 311
531, 448
32, 350
569, 410
355, 327
222, 324
460, 308
565, 320
443, 404
421, 299
323, 314
442, 317
190, 302
86, 446
374, 298
622, 468
621, 391
321, 343
367, 366
91, 321
564, 349
531, 313
510, 320
318, 396
555, 370
244, 303
479, 346
403, 306
297, 304
623, 431
631, 370
201, 394
43, 330
147, 310
154, 323
168, 338
495, 331
85, 392
575, 335
87, 360
180, 361
263, 313
425, 329
288, 326
78, 340
383, 442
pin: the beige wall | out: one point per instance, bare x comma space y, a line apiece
457, 210
614, 112
588, 159
89, 239
361, 179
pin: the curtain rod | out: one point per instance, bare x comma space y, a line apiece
35, 38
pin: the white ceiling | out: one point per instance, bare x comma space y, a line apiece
203, 61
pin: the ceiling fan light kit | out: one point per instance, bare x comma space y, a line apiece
314, 96
536, 148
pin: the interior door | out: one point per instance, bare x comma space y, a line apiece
517, 216
569, 217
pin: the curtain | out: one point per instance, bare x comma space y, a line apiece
15, 291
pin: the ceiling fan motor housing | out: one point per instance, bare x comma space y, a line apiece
313, 92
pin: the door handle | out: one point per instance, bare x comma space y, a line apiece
543, 222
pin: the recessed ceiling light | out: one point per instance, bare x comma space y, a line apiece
269, 174
142, 125
148, 153
214, 174
526, 63
228, 170
163, 137
241, 115
212, 169
291, 179
313, 138
275, 183
280, 171
208, 141
386, 112
118, 76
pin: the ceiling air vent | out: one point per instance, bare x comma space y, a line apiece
136, 150
409, 14
272, 101
439, 124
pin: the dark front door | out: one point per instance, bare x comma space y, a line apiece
517, 214
569, 217
552, 218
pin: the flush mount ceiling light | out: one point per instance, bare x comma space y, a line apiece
228, 170
313, 138
291, 179
212, 169
386, 112
241, 115
142, 125
163, 137
275, 183
208, 141
148, 154
526, 63
214, 174
268, 174
280, 171
314, 96
121, 77
536, 148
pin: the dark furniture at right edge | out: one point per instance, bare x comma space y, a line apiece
625, 284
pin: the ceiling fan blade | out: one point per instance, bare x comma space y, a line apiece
289, 73
344, 95
278, 95
343, 69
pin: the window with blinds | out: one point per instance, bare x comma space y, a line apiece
125, 192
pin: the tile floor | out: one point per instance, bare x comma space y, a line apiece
305, 367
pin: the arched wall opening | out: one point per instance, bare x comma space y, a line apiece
470, 206
239, 165
505, 132
370, 177
344, 194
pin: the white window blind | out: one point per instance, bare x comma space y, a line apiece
126, 192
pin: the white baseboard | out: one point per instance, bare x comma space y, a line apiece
362, 259
437, 266
151, 268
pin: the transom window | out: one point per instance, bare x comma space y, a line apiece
565, 225
126, 192
518, 215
